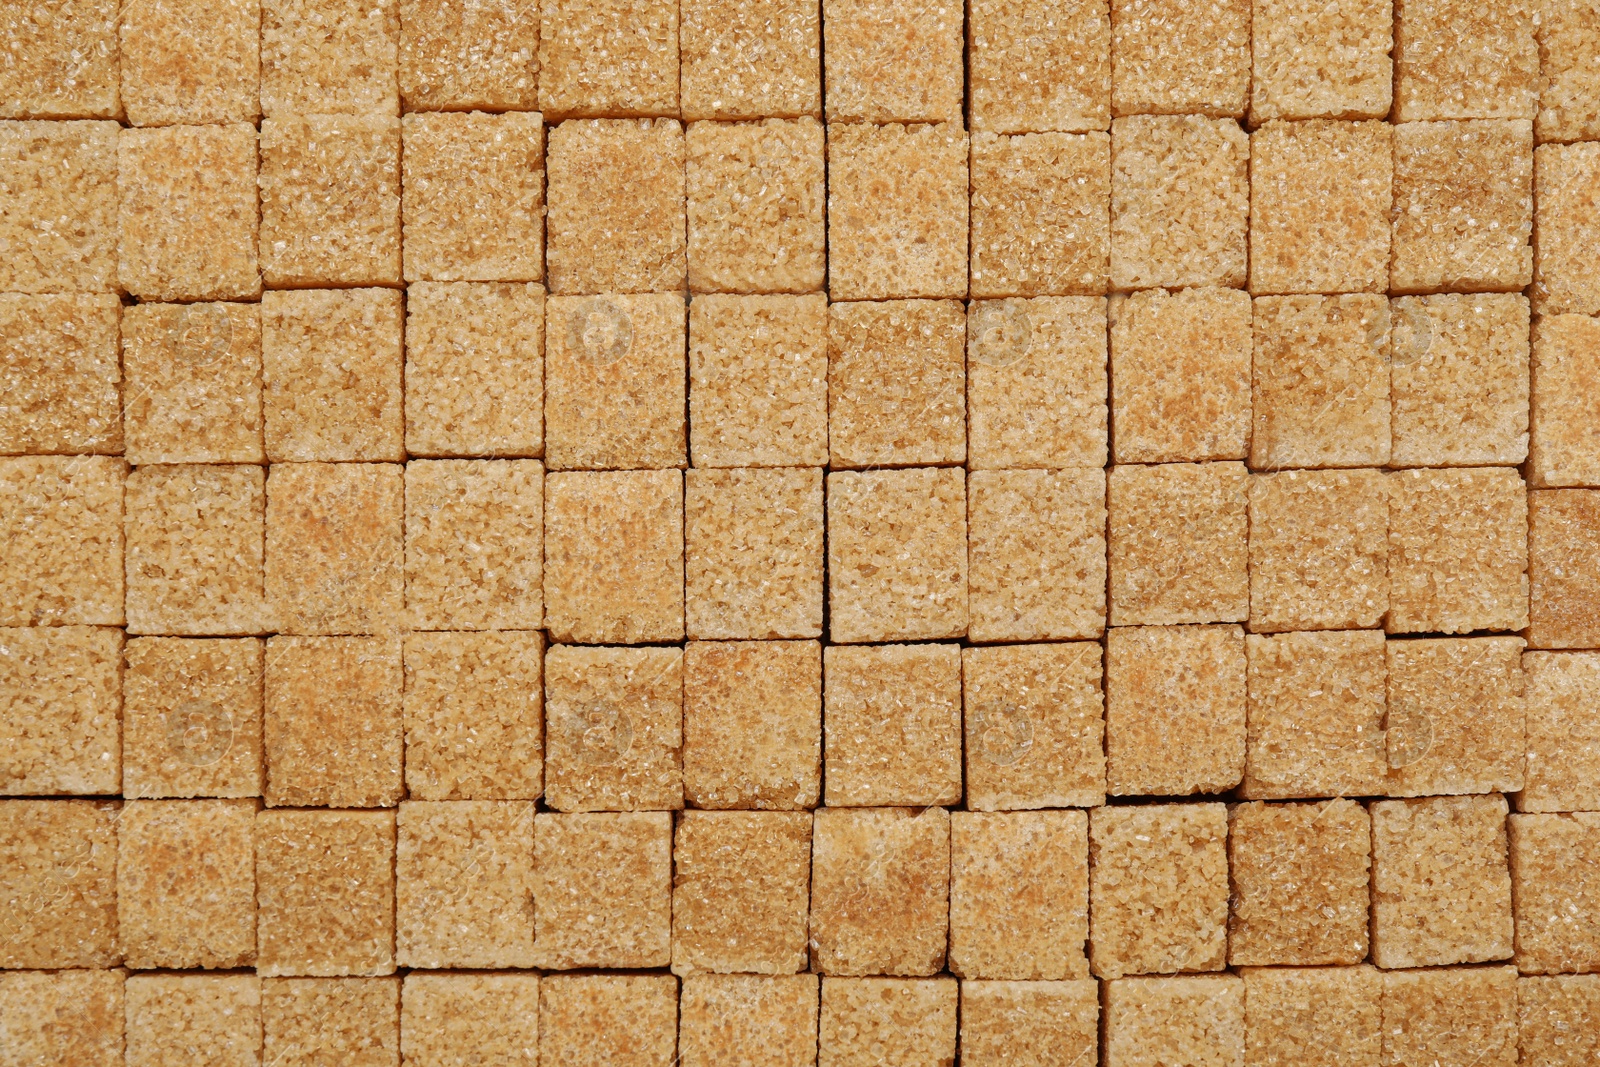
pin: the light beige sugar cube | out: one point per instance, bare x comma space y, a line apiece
1566, 180
1177, 543
459, 57
1031, 67
1569, 90
64, 62
1029, 1024
168, 1014
598, 1020
896, 383
602, 891
1180, 375
1558, 1019
1019, 895
892, 725
1563, 538
753, 542
322, 57
613, 728
447, 1020
193, 389
191, 717
1455, 61
1455, 717
474, 374
61, 523
1463, 206
62, 1017
1312, 60
475, 544
60, 710
897, 555
324, 892
616, 195
60, 377
750, 60
740, 892
752, 724
307, 1021
870, 1021
330, 198
58, 907
1197, 1020
1318, 550
1040, 214
1451, 1015
186, 883
742, 1018
755, 197
1564, 449
1169, 57
463, 890
893, 62
1563, 736
1312, 1016
608, 58
1555, 873
332, 726
188, 62
58, 222
897, 209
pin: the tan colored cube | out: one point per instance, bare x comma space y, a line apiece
1558, 1019
608, 1020
60, 705
455, 57
333, 734
1169, 57
474, 716
897, 555
610, 58
1569, 91
323, 57
169, 1014
60, 376
1566, 179
184, 61
1299, 874
1036, 382
1315, 715
1312, 1016
1175, 710
1458, 1015
753, 543
58, 884
897, 207
191, 717
65, 62
186, 883
1318, 550
1563, 538
335, 548
750, 60
1033, 726
739, 897
758, 381
1312, 60
1463, 205
1456, 716
755, 193
747, 1018
1197, 1020
866, 1022
58, 231
463, 889
1555, 872
893, 62
1563, 734
324, 892
613, 556
65, 1017
308, 1021
892, 725
1180, 375
1040, 214
896, 383
1019, 895
195, 535
1455, 61
1565, 447
1441, 887
1029, 1024
1178, 545
617, 203
193, 383
61, 523
1033, 68
602, 890
475, 544
448, 1020
1458, 551
752, 724
613, 728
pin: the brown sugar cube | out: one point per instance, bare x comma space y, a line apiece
463, 888
330, 198
1566, 178
1455, 718
475, 544
1029, 1024
474, 716
602, 890
332, 727
896, 383
1312, 1016
867, 1022
1299, 874
457, 57
451, 1020
62, 1017
750, 60
753, 553
310, 1021
1463, 205
1459, 1015
186, 883
615, 381
1319, 207
334, 547
758, 381
193, 383
184, 61
617, 205
1169, 57
897, 555
324, 892
58, 205
58, 884
166, 1013
1175, 710
1555, 871
613, 728
1458, 551
1455, 61
1019, 894
752, 724
322, 57
893, 62
1563, 733
613, 556
897, 209
1320, 382
1569, 91
755, 196
747, 1018
1158, 889
880, 886
63, 61
1563, 539
1311, 60
740, 892
60, 704
1314, 715
1180, 381
1318, 550
1037, 551
1040, 213
61, 523
1441, 887
59, 373
191, 717
1565, 446
1180, 198
1198, 1020
892, 725
608, 58
1178, 545
1558, 1018
1031, 67
608, 1020
1459, 379
194, 549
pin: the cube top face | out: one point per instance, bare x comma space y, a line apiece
86, 1008
1168, 57
1451, 1013
1435, 745
748, 61
1311, 61
1318, 550
893, 725
463, 58
1564, 530
1553, 872
59, 691
66, 63
1028, 74
329, 56
1563, 745
1189, 1019
168, 79
1313, 1016
60, 884
1567, 179
1569, 95
603, 890
595, 1019
59, 374
868, 1020
1177, 540
193, 383
608, 59
1565, 447
893, 62
1453, 61
59, 171
191, 717
741, 892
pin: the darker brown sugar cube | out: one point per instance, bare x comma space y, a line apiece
608, 1020
58, 207
1558, 1019
458, 58
63, 1017
1566, 180
891, 62
1192, 1019
329, 56
1563, 735
870, 1021
1177, 543
65, 62
1040, 214
603, 887
746, 1018
1456, 716
1451, 1015
1456, 61
1169, 57
191, 717
185, 61
59, 374
896, 383
168, 1014
1318, 550
892, 723
740, 892
1029, 1024
608, 58
58, 907
306, 1021
1563, 538
447, 1019
1310, 60
1028, 73
1569, 92
1555, 871
1312, 1016
1565, 446
750, 60
61, 523
193, 383
60, 710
